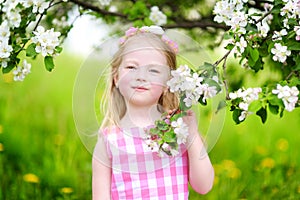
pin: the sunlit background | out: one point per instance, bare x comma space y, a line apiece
42, 156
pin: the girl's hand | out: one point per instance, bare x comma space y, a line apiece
191, 121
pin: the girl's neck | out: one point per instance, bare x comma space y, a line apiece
140, 116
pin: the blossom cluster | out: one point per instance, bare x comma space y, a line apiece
13, 35
234, 13
21, 71
5, 48
280, 52
231, 13
190, 85
13, 11
247, 96
157, 17
169, 132
46, 41
289, 96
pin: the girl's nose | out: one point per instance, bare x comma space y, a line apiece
141, 74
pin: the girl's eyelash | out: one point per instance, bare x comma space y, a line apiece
154, 70
130, 67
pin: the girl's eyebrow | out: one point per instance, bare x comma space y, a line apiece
131, 61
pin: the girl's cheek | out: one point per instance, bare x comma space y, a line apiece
157, 89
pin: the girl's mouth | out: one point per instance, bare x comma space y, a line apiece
140, 89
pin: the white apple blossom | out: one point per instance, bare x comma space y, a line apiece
104, 2
280, 52
157, 17
278, 35
9, 5
297, 31
27, 3
39, 6
244, 115
21, 71
243, 106
193, 14
4, 32
179, 76
181, 130
208, 91
291, 9
60, 23
241, 45
289, 96
45, 41
247, 95
191, 98
5, 50
263, 28
13, 18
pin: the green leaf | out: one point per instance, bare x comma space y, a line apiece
206, 67
49, 64
255, 106
293, 45
235, 115
281, 112
263, 114
263, 50
30, 51
251, 62
161, 125
258, 65
222, 104
274, 109
58, 49
200, 100
297, 61
155, 131
271, 46
275, 101
211, 83
254, 53
169, 137
229, 46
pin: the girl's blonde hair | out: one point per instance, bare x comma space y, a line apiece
114, 104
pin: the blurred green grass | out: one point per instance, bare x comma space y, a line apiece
42, 156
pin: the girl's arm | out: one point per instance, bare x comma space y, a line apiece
201, 172
101, 170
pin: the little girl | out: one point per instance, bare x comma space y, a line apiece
124, 165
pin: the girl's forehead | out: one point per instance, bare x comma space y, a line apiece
145, 56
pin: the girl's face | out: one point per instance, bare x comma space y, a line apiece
142, 77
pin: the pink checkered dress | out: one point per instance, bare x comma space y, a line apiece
139, 173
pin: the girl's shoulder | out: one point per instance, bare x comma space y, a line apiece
109, 130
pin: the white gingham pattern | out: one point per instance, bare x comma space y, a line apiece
139, 173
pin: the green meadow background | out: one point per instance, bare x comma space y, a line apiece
42, 156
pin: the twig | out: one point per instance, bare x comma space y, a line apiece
290, 75
89, 6
223, 58
224, 76
264, 16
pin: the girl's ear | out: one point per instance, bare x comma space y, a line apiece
116, 81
